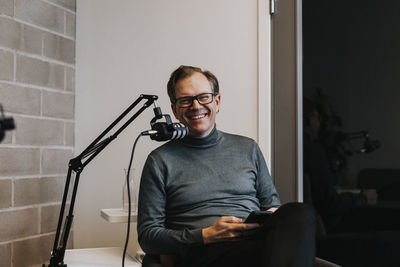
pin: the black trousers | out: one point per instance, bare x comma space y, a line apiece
287, 239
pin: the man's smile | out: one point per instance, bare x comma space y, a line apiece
197, 115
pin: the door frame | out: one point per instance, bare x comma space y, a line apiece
286, 94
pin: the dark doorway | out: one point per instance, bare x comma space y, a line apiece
351, 109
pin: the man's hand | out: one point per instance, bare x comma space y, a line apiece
226, 229
273, 209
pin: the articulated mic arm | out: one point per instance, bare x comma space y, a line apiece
77, 165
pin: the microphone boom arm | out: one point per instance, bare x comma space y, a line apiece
77, 165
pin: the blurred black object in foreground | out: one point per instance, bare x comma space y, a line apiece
6, 123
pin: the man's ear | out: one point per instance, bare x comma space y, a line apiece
173, 107
217, 101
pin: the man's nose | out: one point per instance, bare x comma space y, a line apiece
195, 104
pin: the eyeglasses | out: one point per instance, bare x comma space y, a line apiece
187, 101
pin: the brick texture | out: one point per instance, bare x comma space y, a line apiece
39, 132
5, 254
18, 223
31, 252
69, 79
40, 13
70, 25
30, 40
5, 194
59, 48
19, 99
58, 105
69, 4
39, 72
37, 88
49, 220
10, 31
55, 161
15, 35
38, 190
69, 134
50, 216
6, 65
35, 251
7, 8
19, 161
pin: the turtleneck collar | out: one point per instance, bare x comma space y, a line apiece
203, 142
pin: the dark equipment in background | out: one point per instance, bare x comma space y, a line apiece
367, 146
339, 145
6, 123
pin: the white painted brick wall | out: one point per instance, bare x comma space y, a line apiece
37, 88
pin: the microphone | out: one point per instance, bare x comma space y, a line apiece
162, 131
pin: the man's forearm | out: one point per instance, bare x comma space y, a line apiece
160, 240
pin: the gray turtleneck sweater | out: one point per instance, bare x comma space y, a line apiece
188, 184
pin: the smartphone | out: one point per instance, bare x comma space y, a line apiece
258, 216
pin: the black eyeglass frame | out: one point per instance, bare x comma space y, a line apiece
192, 98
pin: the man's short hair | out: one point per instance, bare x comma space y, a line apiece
186, 71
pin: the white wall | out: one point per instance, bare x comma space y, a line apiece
125, 48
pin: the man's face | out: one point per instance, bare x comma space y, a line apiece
200, 119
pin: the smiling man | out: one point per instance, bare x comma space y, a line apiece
198, 116
196, 192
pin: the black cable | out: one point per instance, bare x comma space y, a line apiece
129, 201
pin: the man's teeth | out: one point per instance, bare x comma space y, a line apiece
198, 117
